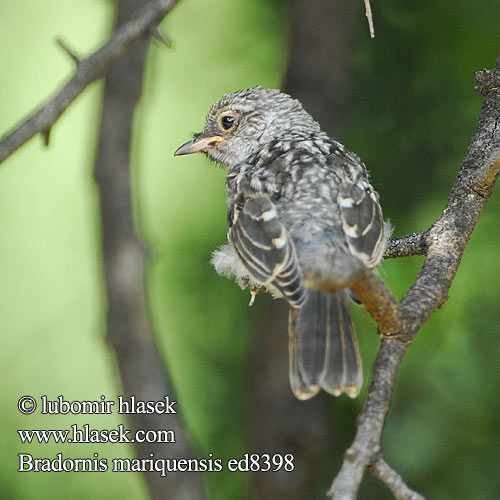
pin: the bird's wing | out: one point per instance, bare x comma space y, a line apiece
265, 247
362, 221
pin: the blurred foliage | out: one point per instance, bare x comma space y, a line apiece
413, 111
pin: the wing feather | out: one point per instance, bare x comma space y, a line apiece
265, 247
362, 222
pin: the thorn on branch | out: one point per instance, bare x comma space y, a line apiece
158, 35
71, 53
46, 136
369, 16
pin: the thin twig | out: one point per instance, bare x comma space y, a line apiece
393, 480
366, 444
87, 71
369, 16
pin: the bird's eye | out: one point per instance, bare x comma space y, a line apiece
227, 122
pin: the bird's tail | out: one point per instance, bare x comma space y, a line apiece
323, 347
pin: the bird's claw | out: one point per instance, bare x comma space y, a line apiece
253, 294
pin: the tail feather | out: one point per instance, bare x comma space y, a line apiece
323, 347
300, 387
312, 339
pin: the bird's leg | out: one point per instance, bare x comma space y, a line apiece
253, 294
368, 288
378, 300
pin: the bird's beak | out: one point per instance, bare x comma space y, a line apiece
199, 144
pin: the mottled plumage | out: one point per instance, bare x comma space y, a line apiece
296, 198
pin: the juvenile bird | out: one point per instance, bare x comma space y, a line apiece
296, 199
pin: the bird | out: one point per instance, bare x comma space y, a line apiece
297, 199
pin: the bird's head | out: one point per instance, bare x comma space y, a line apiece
243, 123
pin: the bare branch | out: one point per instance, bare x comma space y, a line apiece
393, 480
371, 421
369, 16
87, 71
407, 246
416, 243
443, 244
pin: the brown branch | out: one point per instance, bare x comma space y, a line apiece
366, 444
444, 243
393, 480
88, 70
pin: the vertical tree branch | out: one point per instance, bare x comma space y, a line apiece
129, 331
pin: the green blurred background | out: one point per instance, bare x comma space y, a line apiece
411, 114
